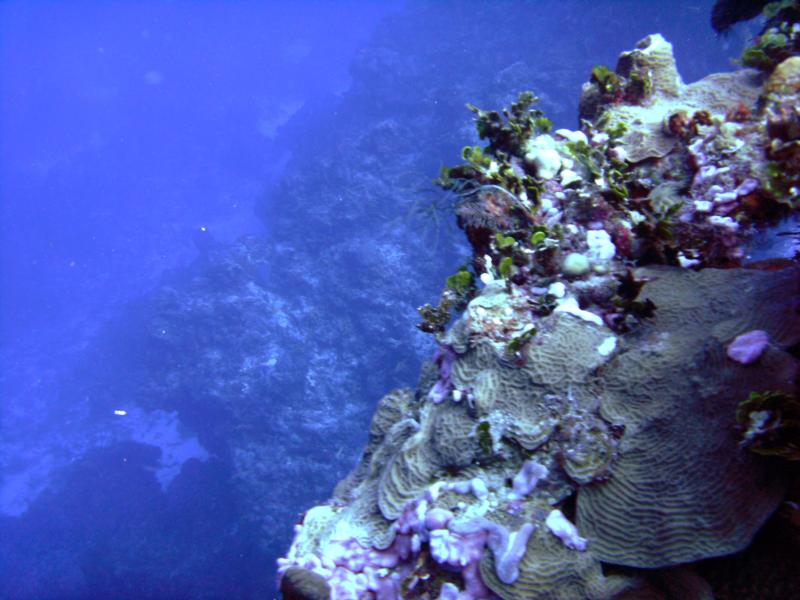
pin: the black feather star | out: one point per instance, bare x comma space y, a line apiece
727, 12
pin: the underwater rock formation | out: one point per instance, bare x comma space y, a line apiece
589, 423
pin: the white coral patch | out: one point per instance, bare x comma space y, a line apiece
557, 289
703, 206
607, 346
687, 263
564, 530
601, 248
725, 222
568, 177
572, 136
570, 306
542, 154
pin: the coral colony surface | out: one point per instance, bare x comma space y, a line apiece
614, 398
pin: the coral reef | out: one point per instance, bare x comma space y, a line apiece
779, 38
617, 396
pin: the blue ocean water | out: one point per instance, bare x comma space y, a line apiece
217, 222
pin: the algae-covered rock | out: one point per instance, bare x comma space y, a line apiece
644, 136
772, 421
785, 79
302, 584
652, 59
781, 102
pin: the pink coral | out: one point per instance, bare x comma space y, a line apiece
748, 347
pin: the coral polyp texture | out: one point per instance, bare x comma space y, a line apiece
615, 391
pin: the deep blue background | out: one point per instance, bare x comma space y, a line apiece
125, 125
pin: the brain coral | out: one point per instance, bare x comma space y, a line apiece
646, 435
551, 571
683, 489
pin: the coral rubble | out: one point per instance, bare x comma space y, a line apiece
618, 396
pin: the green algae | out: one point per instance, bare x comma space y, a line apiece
772, 422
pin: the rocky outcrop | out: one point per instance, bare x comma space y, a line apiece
584, 409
